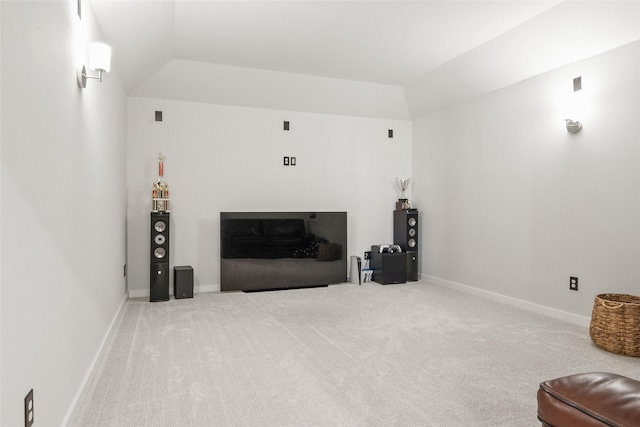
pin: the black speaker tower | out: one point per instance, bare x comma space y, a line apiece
159, 273
405, 234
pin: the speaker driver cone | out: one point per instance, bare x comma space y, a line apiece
159, 253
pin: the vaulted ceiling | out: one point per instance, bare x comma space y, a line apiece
429, 50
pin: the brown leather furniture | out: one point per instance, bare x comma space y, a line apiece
594, 399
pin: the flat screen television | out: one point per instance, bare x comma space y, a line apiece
282, 250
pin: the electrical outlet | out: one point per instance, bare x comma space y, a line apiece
367, 255
28, 409
573, 283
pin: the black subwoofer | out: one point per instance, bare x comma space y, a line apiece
159, 256
389, 268
405, 229
183, 281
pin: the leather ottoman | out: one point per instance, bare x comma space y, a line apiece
592, 399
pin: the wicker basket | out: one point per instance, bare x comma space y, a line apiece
615, 323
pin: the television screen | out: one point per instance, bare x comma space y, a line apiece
281, 250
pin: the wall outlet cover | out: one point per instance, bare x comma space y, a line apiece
573, 283
28, 409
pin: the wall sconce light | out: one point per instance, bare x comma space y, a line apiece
574, 126
99, 60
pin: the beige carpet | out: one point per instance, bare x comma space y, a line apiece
400, 355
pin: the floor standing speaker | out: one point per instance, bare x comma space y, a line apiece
405, 234
412, 266
159, 272
405, 229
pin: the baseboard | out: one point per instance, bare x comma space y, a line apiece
145, 293
206, 288
526, 305
139, 293
90, 371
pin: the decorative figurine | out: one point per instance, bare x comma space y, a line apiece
403, 203
160, 192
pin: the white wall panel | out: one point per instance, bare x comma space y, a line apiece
223, 158
63, 209
514, 204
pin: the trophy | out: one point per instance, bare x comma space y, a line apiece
403, 203
160, 193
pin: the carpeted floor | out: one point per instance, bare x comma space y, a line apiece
414, 354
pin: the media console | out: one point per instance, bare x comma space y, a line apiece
281, 250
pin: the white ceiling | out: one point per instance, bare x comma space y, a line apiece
388, 42
385, 42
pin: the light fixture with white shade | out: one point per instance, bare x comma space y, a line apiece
574, 126
99, 60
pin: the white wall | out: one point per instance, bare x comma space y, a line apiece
513, 204
225, 158
63, 208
